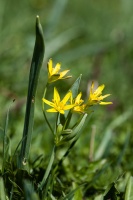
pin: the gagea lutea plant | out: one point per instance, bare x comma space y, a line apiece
18, 179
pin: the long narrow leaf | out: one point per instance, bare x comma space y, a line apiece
108, 133
30, 194
129, 189
70, 195
54, 16
49, 167
74, 89
2, 190
5, 142
33, 81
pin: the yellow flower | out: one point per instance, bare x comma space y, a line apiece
58, 105
80, 109
79, 106
96, 96
53, 72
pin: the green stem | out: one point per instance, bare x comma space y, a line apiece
68, 119
43, 109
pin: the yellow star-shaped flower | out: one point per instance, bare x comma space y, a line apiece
54, 74
96, 96
58, 105
79, 106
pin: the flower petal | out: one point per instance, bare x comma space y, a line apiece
65, 99
96, 97
56, 96
105, 103
52, 110
62, 74
106, 95
68, 107
56, 69
61, 111
48, 102
66, 77
49, 66
99, 90
78, 99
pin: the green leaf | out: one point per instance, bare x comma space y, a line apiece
99, 197
125, 146
49, 167
29, 191
74, 138
70, 195
78, 193
75, 86
74, 89
129, 189
111, 192
2, 190
36, 64
60, 40
75, 132
109, 131
6, 142
54, 16
1, 133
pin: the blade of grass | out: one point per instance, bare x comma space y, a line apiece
85, 50
125, 146
108, 132
6, 142
2, 190
36, 64
49, 167
55, 15
70, 195
61, 40
75, 86
129, 189
29, 191
48, 184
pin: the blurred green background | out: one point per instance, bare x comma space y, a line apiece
92, 38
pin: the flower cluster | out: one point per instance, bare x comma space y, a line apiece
68, 102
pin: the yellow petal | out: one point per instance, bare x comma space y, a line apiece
56, 69
62, 112
106, 95
78, 99
62, 74
105, 103
99, 90
79, 109
49, 66
66, 77
68, 107
65, 99
92, 85
48, 102
52, 110
56, 95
